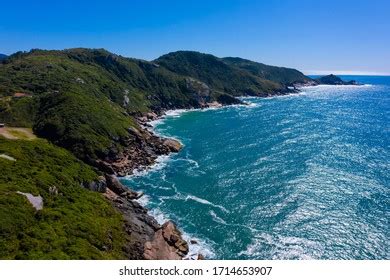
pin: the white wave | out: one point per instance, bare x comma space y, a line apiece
177, 112
206, 202
192, 162
337, 86
216, 218
160, 163
283, 247
144, 200
200, 246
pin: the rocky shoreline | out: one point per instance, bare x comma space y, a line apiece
146, 238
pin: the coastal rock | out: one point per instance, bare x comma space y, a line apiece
141, 148
114, 184
173, 145
138, 224
167, 243
151, 116
104, 166
227, 99
119, 189
146, 238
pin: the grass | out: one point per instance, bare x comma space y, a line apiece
74, 224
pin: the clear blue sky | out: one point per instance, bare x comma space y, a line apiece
308, 35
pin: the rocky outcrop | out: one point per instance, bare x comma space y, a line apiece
146, 238
99, 185
227, 99
141, 148
167, 243
173, 145
116, 187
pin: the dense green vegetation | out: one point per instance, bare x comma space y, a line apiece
217, 74
282, 75
74, 223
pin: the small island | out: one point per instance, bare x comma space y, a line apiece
334, 80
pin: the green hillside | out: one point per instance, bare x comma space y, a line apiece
74, 223
219, 75
285, 76
81, 99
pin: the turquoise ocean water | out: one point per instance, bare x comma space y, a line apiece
304, 176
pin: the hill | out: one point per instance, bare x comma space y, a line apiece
74, 223
282, 75
220, 76
3, 56
85, 100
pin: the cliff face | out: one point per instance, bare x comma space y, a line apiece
97, 105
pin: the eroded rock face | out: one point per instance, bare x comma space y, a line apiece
118, 188
139, 226
167, 244
146, 239
141, 149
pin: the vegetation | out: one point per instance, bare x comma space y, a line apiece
74, 223
81, 99
282, 75
219, 75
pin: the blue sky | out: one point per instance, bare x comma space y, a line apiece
312, 36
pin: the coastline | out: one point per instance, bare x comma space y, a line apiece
195, 249
149, 121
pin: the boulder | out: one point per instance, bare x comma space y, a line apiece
114, 185
98, 185
167, 244
151, 116
173, 145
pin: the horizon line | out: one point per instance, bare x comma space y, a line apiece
345, 72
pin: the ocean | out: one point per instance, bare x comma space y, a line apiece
303, 176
